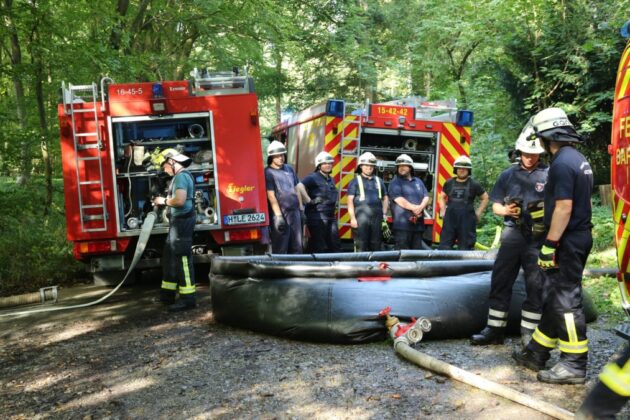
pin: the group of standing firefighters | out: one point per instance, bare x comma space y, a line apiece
547, 233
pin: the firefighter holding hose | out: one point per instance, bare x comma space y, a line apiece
177, 265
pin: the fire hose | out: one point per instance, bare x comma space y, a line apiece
145, 233
405, 335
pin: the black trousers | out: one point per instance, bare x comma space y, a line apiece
406, 239
324, 236
563, 323
602, 402
289, 241
459, 224
178, 272
516, 251
368, 236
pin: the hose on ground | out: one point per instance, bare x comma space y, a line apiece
403, 336
443, 368
145, 233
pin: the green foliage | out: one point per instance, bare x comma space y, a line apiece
35, 252
607, 299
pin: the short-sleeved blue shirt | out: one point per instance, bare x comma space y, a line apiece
570, 178
282, 182
370, 188
518, 182
414, 191
318, 185
183, 181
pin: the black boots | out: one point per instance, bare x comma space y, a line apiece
488, 335
561, 374
182, 305
529, 359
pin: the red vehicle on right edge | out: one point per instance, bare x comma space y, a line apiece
619, 150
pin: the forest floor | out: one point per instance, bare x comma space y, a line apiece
129, 358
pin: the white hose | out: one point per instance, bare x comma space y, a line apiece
425, 361
145, 233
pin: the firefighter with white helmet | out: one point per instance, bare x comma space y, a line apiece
517, 196
321, 206
563, 254
457, 209
368, 205
177, 260
409, 198
284, 202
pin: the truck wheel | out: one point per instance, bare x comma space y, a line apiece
112, 278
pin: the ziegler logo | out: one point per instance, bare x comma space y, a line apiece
175, 89
231, 188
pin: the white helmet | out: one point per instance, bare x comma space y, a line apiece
463, 162
527, 142
367, 158
276, 148
550, 118
323, 157
404, 160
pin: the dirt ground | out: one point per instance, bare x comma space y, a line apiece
129, 358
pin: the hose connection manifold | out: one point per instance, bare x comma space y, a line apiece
410, 333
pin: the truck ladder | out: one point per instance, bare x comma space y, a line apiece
349, 150
87, 153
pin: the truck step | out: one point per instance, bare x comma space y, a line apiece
623, 330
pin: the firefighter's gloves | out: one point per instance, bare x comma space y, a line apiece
387, 233
279, 224
159, 201
547, 259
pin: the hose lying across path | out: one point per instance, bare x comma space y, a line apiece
425, 361
147, 226
404, 335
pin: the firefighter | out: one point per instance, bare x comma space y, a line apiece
178, 270
517, 196
563, 254
367, 201
284, 202
457, 207
321, 206
610, 393
409, 198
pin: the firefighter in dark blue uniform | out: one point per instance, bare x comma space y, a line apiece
284, 202
563, 254
177, 261
367, 205
457, 209
321, 206
517, 196
409, 198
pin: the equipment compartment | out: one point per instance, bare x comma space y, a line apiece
138, 142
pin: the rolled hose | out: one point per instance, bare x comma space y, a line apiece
145, 233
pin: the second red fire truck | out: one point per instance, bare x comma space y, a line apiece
434, 134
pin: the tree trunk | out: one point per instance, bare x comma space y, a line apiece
45, 137
18, 86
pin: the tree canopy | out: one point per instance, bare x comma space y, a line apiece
503, 59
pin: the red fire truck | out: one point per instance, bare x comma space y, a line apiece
434, 134
108, 145
620, 170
